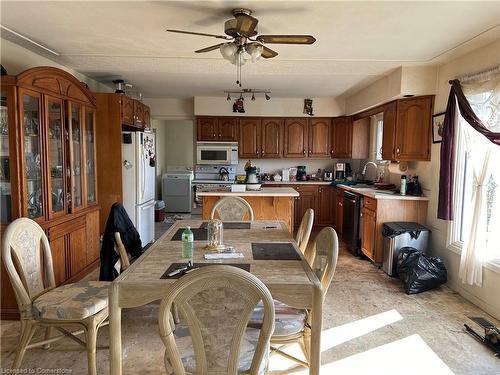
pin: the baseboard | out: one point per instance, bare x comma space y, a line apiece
472, 298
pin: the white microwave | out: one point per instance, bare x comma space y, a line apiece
216, 152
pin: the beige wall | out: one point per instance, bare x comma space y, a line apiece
170, 108
174, 146
402, 81
17, 59
292, 107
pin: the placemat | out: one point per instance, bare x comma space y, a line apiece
199, 234
230, 225
274, 251
174, 266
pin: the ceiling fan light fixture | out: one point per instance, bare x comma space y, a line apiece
255, 51
228, 50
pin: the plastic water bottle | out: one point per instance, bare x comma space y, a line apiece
187, 244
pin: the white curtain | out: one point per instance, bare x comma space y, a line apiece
483, 164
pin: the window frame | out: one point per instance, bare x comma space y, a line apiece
453, 238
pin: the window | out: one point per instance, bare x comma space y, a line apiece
470, 148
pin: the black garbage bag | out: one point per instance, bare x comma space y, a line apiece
419, 272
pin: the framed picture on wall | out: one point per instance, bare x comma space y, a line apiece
437, 127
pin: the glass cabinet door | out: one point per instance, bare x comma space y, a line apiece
56, 142
90, 173
31, 127
76, 155
5, 183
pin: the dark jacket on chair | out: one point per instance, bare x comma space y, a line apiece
118, 221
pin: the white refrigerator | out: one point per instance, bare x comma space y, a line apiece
139, 180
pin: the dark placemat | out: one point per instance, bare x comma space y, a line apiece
174, 266
200, 234
230, 225
274, 251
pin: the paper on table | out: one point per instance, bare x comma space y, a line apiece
223, 256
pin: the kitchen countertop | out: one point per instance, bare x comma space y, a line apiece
377, 194
264, 192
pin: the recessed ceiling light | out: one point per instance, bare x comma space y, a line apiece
29, 40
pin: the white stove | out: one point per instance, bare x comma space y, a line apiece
207, 178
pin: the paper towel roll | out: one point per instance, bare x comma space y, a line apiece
398, 168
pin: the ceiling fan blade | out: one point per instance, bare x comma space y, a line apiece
208, 49
246, 25
269, 53
286, 39
201, 34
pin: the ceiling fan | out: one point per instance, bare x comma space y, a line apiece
243, 43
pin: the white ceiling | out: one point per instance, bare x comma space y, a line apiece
357, 42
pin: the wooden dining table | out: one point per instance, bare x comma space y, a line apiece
290, 281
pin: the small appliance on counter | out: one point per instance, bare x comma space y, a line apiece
327, 176
301, 173
285, 174
339, 171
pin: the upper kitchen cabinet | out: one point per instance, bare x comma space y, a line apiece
271, 139
125, 112
350, 139
250, 140
319, 138
217, 128
295, 144
227, 129
407, 129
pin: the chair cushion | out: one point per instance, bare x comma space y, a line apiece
248, 345
288, 320
72, 301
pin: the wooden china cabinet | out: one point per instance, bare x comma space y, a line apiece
48, 169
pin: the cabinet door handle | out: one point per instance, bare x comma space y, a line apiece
304, 152
331, 151
397, 151
262, 152
214, 135
219, 135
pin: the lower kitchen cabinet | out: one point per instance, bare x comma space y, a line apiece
369, 225
325, 213
338, 210
308, 197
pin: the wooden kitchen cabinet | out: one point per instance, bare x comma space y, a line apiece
341, 137
326, 207
217, 128
227, 129
138, 114
368, 236
350, 139
407, 129
249, 144
146, 120
295, 143
319, 138
127, 110
271, 138
338, 210
308, 196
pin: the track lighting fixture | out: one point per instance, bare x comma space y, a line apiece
249, 93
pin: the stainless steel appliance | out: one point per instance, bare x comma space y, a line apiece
327, 176
176, 189
350, 223
222, 153
339, 171
207, 178
398, 235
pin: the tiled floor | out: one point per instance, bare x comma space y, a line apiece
370, 326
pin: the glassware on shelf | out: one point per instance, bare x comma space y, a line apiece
56, 144
77, 152
5, 195
89, 152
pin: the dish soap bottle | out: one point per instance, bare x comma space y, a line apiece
187, 244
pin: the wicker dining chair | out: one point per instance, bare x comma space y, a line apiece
124, 258
304, 231
43, 305
232, 209
293, 325
215, 303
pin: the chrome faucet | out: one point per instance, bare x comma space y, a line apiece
366, 166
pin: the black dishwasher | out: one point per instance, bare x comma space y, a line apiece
350, 222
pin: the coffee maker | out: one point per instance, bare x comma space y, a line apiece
339, 171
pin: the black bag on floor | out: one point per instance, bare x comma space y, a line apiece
419, 272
